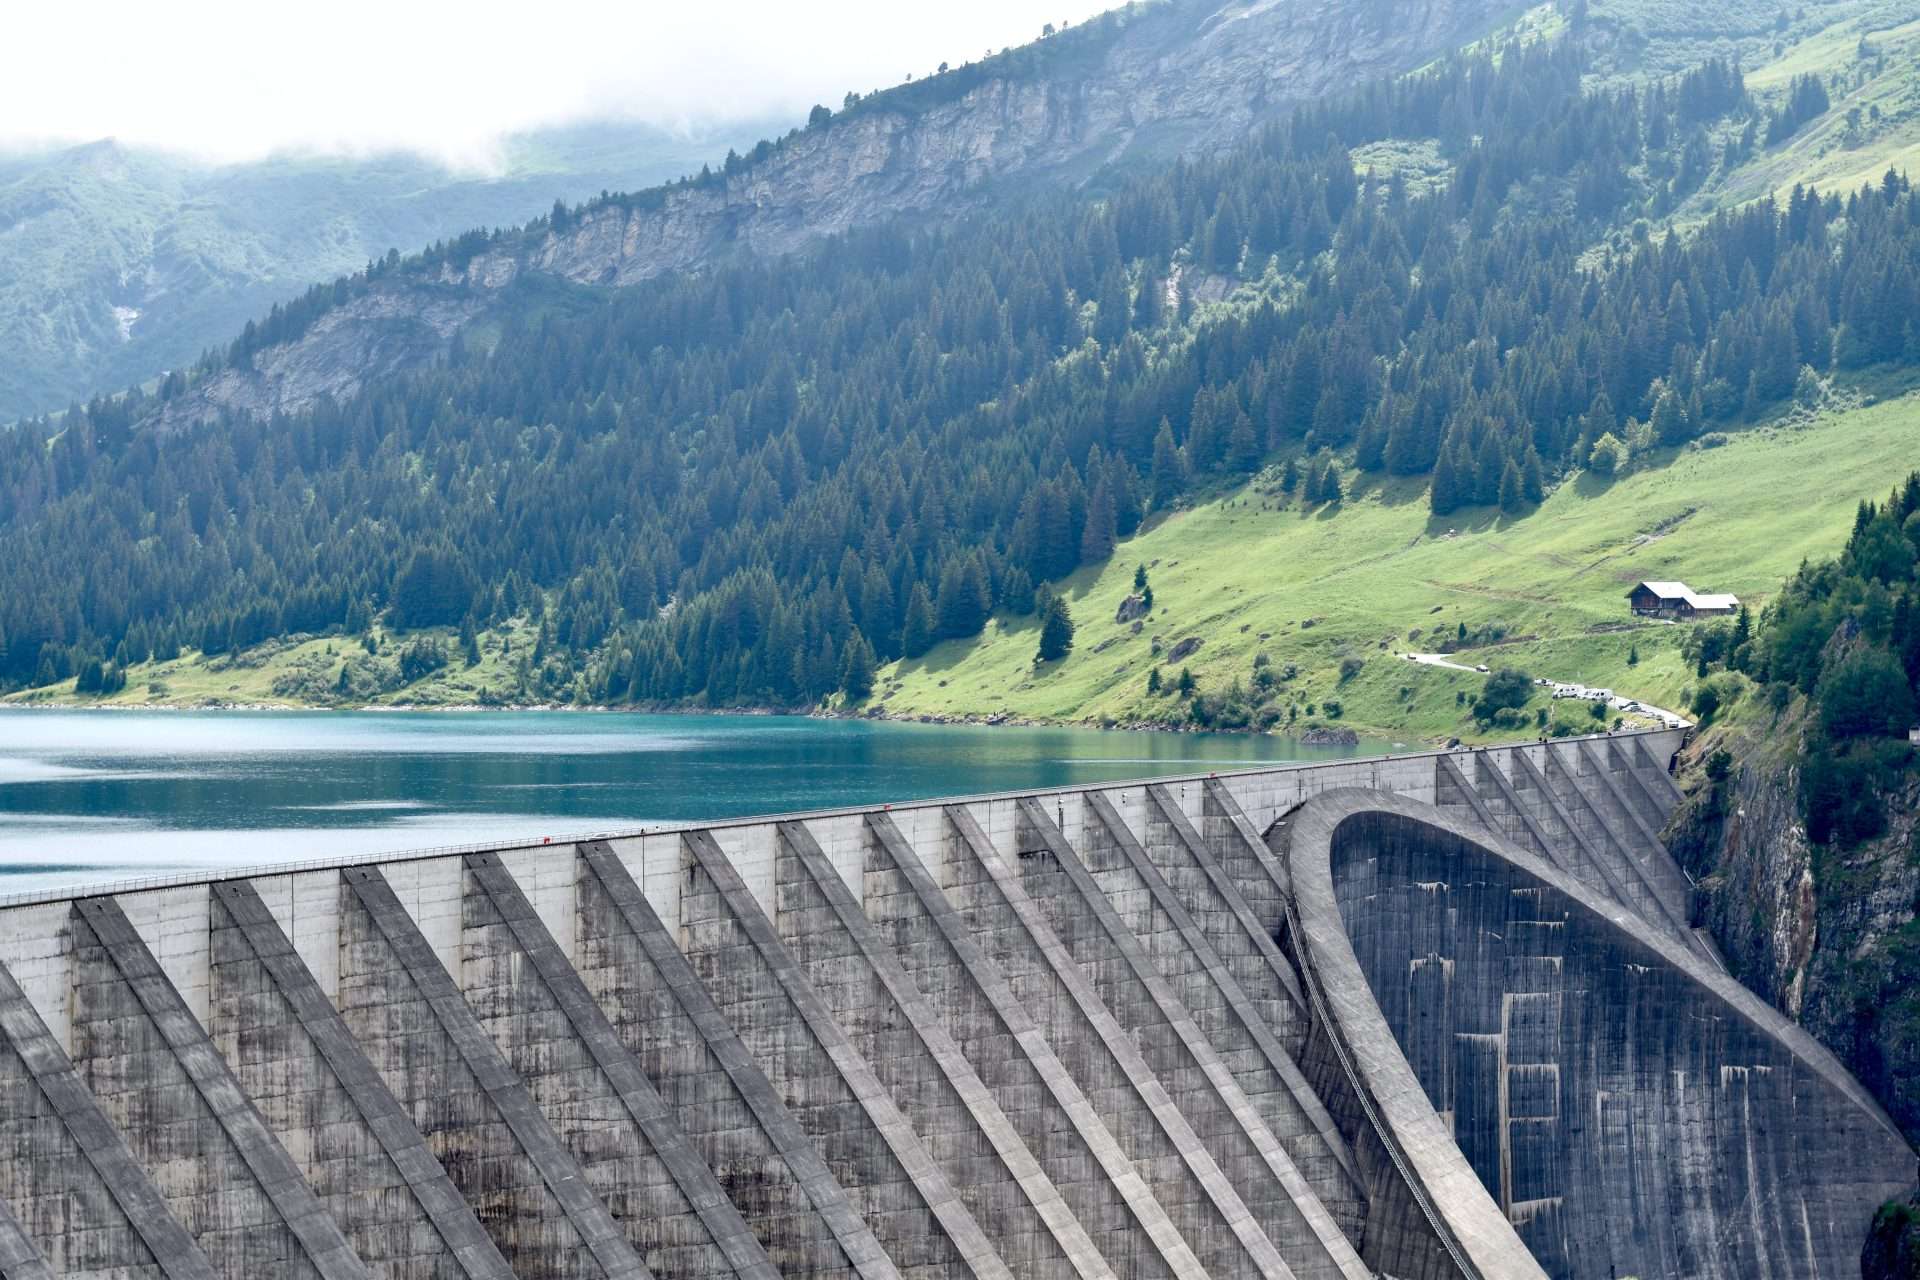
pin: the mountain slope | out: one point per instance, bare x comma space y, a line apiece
118, 263
753, 483
1139, 84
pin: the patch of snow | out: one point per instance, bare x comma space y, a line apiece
124, 317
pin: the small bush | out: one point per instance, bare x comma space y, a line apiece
1507, 689
420, 659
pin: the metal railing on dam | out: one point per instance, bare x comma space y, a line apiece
1078, 1032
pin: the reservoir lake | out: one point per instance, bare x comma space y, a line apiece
96, 796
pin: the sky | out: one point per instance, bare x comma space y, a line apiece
236, 79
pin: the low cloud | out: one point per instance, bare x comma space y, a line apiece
228, 80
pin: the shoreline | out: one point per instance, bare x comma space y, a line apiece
1314, 736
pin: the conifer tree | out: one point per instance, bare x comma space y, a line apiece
1512, 497
1098, 538
1243, 447
962, 603
857, 668
917, 630
1056, 629
1169, 475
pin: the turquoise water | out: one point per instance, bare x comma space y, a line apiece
101, 795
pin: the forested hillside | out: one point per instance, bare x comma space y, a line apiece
754, 485
118, 263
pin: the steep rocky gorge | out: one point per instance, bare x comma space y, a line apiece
1150, 81
1823, 932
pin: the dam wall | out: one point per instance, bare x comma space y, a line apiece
1068, 1033
1625, 1106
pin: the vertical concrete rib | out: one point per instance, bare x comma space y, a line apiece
1226, 890
714, 1040
1594, 868
1650, 803
101, 1207
974, 1250
1071, 1251
19, 1259
1647, 767
1647, 897
1242, 1142
319, 1237
592, 1225
1251, 1030
699, 1190
431, 1190
1199, 1196
1600, 872
1451, 786
1035, 1087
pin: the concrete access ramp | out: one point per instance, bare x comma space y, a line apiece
1435, 1014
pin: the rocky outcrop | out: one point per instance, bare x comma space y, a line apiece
1193, 74
1155, 80
1828, 935
1184, 649
383, 331
1893, 1249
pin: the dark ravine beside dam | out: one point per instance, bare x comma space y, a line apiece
1418, 1016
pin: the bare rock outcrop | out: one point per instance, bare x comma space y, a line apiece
1152, 81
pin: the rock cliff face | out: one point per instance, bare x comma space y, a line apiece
1823, 933
1184, 76
1165, 79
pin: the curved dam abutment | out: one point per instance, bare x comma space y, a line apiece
1571, 1091
1062, 1033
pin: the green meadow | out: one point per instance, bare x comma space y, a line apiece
1338, 593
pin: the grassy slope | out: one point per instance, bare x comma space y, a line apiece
1828, 153
1244, 575
301, 671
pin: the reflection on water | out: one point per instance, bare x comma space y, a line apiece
93, 795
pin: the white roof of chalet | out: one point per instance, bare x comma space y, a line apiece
1698, 599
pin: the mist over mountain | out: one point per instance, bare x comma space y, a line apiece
1137, 86
118, 263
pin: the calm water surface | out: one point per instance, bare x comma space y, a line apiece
86, 796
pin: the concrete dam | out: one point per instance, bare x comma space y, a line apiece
1429, 1015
